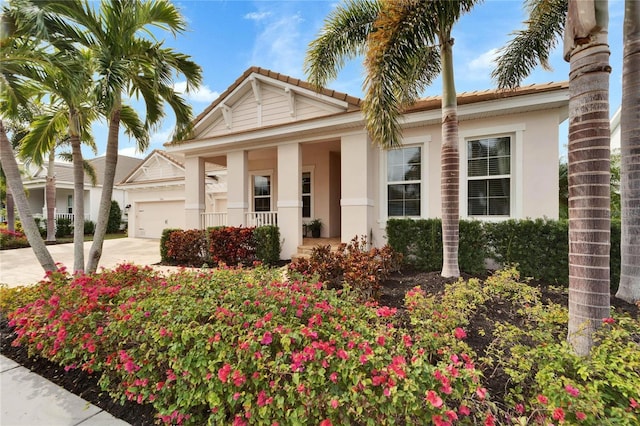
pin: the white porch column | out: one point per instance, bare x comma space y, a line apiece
194, 202
237, 187
358, 179
290, 198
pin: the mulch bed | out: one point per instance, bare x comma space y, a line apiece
393, 290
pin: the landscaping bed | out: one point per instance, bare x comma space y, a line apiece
442, 325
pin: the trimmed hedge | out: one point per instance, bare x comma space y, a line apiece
540, 247
229, 245
420, 242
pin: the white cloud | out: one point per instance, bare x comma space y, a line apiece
131, 151
485, 61
257, 16
161, 137
202, 94
278, 47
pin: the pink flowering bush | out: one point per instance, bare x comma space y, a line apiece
12, 239
240, 347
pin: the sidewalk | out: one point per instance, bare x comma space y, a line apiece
27, 399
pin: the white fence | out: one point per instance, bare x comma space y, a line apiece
261, 218
213, 219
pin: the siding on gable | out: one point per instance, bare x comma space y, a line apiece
245, 113
156, 169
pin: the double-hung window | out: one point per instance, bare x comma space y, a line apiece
489, 177
306, 195
404, 174
261, 193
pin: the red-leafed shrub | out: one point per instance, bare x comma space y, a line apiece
188, 247
232, 246
360, 268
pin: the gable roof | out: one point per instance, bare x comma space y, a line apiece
149, 161
124, 166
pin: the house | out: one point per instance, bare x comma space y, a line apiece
615, 130
156, 194
35, 181
292, 155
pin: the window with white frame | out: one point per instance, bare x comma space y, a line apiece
306, 194
489, 176
404, 174
70, 204
261, 193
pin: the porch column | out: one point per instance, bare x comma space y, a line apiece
290, 198
194, 202
237, 187
357, 186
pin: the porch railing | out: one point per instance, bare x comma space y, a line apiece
213, 219
57, 216
261, 218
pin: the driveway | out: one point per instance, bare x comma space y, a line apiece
20, 266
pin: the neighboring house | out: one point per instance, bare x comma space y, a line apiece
156, 194
293, 154
615, 130
35, 178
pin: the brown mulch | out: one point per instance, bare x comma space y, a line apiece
393, 290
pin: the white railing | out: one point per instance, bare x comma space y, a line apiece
261, 218
59, 216
212, 219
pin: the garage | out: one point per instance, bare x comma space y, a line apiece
154, 216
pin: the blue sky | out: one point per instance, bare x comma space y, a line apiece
227, 37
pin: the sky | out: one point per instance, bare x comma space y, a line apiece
227, 37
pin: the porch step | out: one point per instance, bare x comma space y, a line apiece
308, 244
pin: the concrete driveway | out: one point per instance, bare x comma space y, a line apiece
20, 266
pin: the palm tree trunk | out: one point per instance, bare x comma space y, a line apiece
11, 207
78, 193
14, 183
111, 161
589, 176
450, 159
50, 198
629, 289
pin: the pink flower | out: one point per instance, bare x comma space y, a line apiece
223, 373
266, 338
326, 422
439, 421
542, 399
459, 333
333, 377
433, 399
489, 420
481, 392
334, 403
342, 354
99, 331
520, 408
452, 415
236, 396
571, 390
558, 414
633, 403
608, 320
580, 415
386, 311
464, 410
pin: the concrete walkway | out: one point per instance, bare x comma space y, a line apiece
27, 399
20, 266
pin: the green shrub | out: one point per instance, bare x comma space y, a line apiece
89, 227
42, 226
231, 346
615, 255
64, 227
420, 242
164, 249
115, 218
268, 246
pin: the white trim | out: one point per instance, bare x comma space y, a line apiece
356, 202
195, 206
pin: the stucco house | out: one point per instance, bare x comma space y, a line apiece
35, 179
292, 154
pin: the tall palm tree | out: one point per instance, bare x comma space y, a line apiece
629, 288
406, 45
19, 58
130, 64
584, 24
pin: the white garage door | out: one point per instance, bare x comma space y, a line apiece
153, 217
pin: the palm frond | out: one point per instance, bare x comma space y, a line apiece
342, 37
45, 131
134, 127
532, 45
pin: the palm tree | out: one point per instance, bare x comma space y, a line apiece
629, 288
586, 49
19, 58
407, 44
127, 63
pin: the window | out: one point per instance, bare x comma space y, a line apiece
306, 194
489, 177
261, 193
404, 174
70, 204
